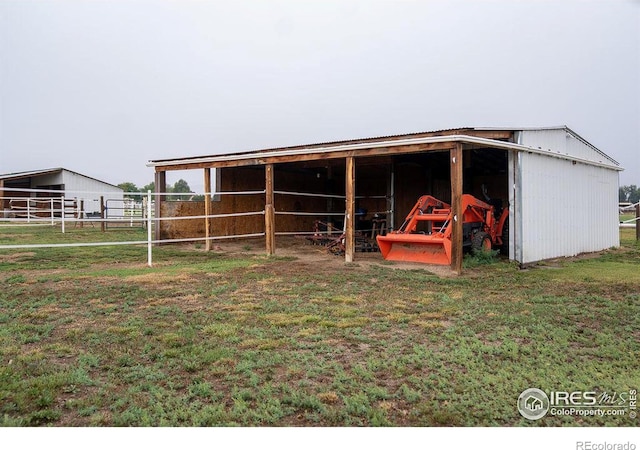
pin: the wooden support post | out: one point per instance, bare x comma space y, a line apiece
207, 208
81, 213
2, 201
269, 212
103, 224
161, 188
391, 198
638, 222
350, 192
456, 207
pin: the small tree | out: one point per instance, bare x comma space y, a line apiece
131, 190
149, 187
179, 187
629, 193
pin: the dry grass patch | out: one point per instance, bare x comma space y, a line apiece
206, 339
159, 278
290, 319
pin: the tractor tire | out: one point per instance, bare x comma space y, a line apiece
481, 242
504, 248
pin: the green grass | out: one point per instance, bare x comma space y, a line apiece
93, 337
624, 217
479, 258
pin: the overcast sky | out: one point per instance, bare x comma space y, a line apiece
102, 87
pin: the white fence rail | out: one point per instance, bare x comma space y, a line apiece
633, 222
21, 207
62, 211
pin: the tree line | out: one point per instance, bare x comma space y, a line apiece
180, 187
630, 193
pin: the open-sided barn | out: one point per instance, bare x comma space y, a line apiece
20, 189
561, 191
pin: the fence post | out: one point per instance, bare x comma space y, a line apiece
29, 210
52, 212
143, 213
82, 213
102, 224
149, 245
62, 211
207, 208
638, 221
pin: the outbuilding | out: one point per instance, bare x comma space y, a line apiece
560, 190
24, 193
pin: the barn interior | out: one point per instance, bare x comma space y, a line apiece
310, 195
16, 192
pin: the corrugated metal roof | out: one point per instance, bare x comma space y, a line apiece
30, 173
462, 133
442, 132
41, 172
326, 144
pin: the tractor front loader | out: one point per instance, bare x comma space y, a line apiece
425, 235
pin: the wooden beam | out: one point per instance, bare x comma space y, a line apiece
269, 213
456, 207
307, 151
266, 159
161, 188
350, 193
207, 208
491, 134
372, 161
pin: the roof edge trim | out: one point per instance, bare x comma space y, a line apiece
380, 144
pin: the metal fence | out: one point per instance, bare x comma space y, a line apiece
630, 209
65, 212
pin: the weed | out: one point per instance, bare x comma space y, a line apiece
480, 257
15, 279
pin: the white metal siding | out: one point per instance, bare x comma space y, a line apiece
547, 139
89, 190
80, 187
565, 208
560, 141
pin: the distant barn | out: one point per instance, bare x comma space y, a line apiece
20, 189
561, 191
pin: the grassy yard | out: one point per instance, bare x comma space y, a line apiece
625, 217
93, 337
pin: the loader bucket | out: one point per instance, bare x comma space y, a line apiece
427, 249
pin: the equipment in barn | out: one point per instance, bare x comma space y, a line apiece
327, 235
425, 235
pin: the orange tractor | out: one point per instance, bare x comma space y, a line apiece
425, 235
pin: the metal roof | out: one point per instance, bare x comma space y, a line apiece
324, 144
441, 136
28, 174
42, 172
